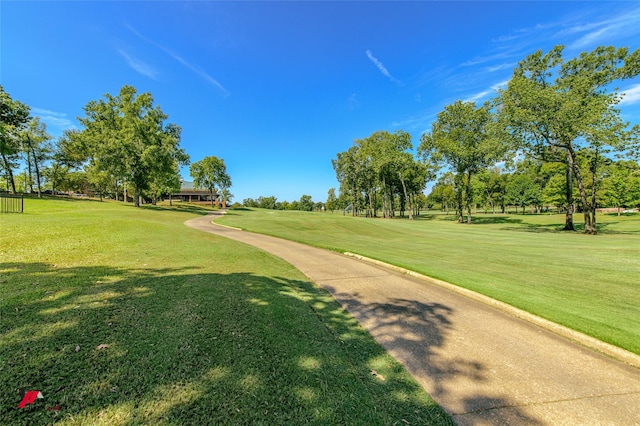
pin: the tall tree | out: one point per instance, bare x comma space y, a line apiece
210, 173
522, 190
332, 200
553, 106
622, 184
36, 147
127, 136
348, 169
462, 138
305, 203
14, 116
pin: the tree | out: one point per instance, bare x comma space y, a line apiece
210, 173
332, 200
523, 191
378, 170
464, 139
552, 108
227, 195
126, 136
250, 202
14, 116
494, 187
348, 173
55, 173
622, 184
35, 145
267, 202
306, 203
443, 192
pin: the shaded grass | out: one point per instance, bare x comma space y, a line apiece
587, 283
198, 329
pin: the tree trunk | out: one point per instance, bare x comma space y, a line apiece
594, 188
384, 198
589, 210
468, 201
136, 196
35, 163
7, 166
459, 208
568, 219
353, 200
407, 200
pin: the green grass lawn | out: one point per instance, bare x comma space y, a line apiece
588, 283
126, 316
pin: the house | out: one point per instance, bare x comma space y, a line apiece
189, 194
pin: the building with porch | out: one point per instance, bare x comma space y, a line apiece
189, 194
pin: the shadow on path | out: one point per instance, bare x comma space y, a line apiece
416, 333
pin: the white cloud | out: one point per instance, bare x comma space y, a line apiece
500, 67
353, 101
612, 28
138, 65
477, 96
499, 85
416, 123
58, 121
203, 74
504, 38
381, 67
592, 37
631, 96
484, 93
198, 71
483, 59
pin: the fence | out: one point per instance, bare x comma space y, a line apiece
11, 203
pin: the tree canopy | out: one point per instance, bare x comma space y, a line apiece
211, 173
552, 108
14, 116
380, 171
464, 139
126, 137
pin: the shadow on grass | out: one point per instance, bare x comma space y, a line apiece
64, 197
493, 220
556, 228
177, 346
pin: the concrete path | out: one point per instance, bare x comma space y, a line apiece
482, 365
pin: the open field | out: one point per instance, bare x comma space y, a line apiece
587, 283
125, 316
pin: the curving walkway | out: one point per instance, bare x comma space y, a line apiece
482, 365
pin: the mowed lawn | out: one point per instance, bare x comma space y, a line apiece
588, 283
121, 315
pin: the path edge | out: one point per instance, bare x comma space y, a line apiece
610, 350
619, 354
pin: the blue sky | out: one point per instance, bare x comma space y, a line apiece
276, 89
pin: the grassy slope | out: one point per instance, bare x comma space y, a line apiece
200, 330
584, 282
